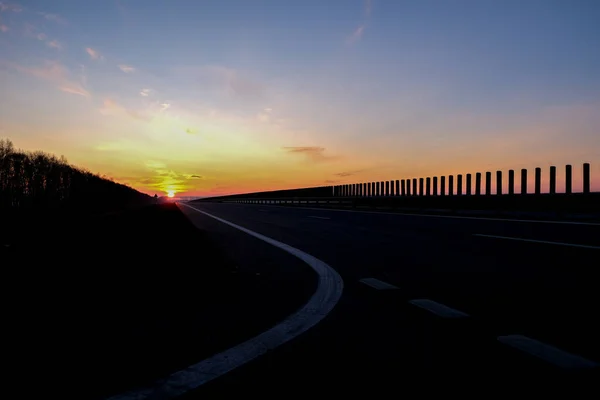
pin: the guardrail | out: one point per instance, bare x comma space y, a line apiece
431, 187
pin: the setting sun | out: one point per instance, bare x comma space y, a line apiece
171, 193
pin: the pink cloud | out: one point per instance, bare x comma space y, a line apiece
54, 44
356, 35
10, 7
56, 73
3, 28
126, 68
94, 54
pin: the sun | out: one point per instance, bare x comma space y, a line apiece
171, 194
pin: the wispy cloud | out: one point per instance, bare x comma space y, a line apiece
32, 32
360, 30
126, 68
111, 107
312, 153
10, 7
54, 44
145, 92
53, 71
348, 173
53, 17
196, 177
356, 35
165, 106
3, 28
94, 54
75, 89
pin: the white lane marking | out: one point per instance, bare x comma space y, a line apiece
329, 290
583, 246
317, 217
438, 309
548, 353
377, 284
440, 216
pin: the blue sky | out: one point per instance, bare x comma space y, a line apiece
268, 94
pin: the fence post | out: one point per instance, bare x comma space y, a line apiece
421, 187
488, 183
586, 178
459, 184
382, 188
498, 182
568, 179
428, 187
450, 185
552, 188
408, 187
511, 181
478, 183
442, 185
414, 189
468, 184
435, 186
403, 185
387, 188
397, 187
523, 181
538, 180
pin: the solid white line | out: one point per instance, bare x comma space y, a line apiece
558, 357
377, 284
329, 290
439, 216
438, 309
583, 246
314, 216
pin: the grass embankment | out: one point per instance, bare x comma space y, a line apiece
108, 302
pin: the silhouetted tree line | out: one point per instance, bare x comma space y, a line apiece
37, 180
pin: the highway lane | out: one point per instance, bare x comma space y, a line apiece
544, 291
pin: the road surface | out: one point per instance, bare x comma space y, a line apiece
425, 296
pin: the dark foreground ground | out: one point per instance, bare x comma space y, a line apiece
95, 305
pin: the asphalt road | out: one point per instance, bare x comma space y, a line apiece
533, 279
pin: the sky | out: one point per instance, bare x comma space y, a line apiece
211, 97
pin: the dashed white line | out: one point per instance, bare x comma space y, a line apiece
438, 309
329, 290
377, 284
550, 354
583, 246
317, 217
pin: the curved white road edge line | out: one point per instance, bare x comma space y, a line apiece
329, 291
